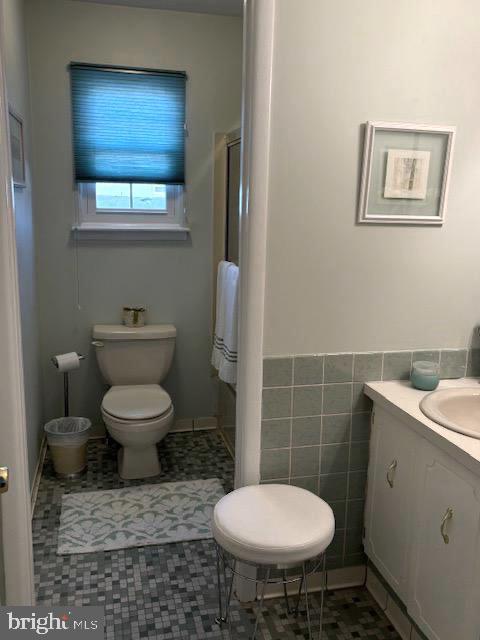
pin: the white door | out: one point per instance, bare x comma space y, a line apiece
16, 565
444, 593
389, 498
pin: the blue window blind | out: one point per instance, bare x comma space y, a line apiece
128, 124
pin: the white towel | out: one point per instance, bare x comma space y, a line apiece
224, 356
219, 313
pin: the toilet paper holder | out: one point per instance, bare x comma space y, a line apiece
54, 360
66, 401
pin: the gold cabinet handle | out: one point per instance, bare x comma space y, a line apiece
3, 479
448, 516
391, 472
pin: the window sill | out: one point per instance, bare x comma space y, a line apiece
119, 231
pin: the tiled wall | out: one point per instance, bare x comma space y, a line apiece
316, 427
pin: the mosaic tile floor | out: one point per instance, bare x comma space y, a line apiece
167, 592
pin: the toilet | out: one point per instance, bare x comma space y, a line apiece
136, 410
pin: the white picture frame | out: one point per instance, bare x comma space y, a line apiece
405, 173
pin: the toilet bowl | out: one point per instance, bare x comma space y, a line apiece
136, 410
137, 417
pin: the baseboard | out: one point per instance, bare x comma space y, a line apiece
395, 611
347, 577
205, 424
183, 425
97, 431
376, 589
38, 472
399, 619
336, 579
228, 446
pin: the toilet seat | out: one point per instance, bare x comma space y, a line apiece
136, 402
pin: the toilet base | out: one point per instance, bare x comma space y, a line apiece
138, 457
136, 463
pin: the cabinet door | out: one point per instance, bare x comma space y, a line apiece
389, 498
443, 595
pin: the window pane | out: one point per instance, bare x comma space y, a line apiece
113, 195
149, 196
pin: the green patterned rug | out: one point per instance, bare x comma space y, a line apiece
137, 516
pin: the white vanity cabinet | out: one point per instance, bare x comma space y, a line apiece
444, 583
422, 528
390, 487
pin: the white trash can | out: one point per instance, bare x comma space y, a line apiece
67, 439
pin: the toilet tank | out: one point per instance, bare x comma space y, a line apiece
134, 355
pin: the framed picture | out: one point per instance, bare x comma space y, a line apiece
405, 173
17, 149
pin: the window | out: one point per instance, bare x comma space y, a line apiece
129, 147
130, 205
130, 196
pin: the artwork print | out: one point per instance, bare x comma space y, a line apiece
407, 174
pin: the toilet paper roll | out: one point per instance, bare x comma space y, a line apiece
67, 361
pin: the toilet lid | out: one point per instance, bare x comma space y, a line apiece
138, 402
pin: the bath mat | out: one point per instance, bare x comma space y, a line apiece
137, 516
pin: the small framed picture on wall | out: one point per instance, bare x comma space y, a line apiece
405, 173
17, 149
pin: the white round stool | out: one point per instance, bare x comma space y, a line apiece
275, 526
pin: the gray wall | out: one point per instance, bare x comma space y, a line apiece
85, 283
333, 285
12, 21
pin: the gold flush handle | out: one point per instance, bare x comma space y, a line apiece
3, 479
448, 516
391, 472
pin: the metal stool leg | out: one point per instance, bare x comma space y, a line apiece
307, 608
299, 595
260, 606
222, 617
228, 593
285, 594
322, 596
219, 619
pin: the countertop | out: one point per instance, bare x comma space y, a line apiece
403, 401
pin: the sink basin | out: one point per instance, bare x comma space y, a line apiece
456, 409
